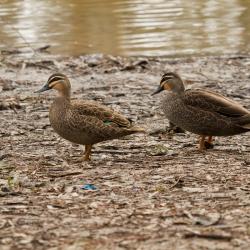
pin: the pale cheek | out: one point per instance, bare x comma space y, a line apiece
59, 88
167, 87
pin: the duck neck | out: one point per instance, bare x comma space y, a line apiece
179, 87
63, 98
64, 93
59, 107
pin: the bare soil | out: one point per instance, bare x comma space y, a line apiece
154, 191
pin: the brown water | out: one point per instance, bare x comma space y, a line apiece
127, 27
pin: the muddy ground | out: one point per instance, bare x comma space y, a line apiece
154, 191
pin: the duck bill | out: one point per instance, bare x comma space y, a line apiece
158, 90
44, 88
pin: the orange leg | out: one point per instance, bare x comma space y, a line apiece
202, 143
210, 139
208, 144
87, 152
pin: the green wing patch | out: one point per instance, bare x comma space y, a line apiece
107, 122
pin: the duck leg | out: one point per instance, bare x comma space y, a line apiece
210, 139
208, 144
202, 143
87, 152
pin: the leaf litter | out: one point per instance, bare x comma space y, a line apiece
155, 191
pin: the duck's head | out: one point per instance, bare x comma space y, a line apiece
59, 82
171, 82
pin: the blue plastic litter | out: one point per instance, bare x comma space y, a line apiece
89, 187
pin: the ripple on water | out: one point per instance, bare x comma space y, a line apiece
127, 27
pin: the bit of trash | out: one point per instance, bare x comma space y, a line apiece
160, 149
89, 187
203, 219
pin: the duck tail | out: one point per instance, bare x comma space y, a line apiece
246, 126
245, 121
137, 129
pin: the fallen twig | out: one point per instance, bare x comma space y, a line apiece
211, 236
64, 174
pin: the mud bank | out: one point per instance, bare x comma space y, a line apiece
153, 191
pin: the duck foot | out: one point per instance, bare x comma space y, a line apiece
208, 145
87, 153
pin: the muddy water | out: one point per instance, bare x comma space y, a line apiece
127, 27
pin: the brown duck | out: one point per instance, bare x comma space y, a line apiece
84, 122
202, 112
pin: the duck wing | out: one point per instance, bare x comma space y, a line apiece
214, 102
100, 112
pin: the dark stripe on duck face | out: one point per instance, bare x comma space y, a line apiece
55, 78
169, 74
166, 77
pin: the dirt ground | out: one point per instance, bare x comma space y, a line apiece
154, 191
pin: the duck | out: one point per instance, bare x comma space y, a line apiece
202, 112
84, 122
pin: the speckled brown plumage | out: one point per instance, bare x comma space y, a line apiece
84, 122
202, 112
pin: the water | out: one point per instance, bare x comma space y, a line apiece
127, 27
